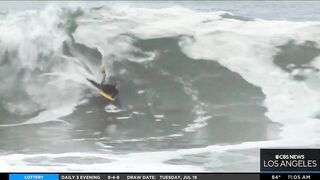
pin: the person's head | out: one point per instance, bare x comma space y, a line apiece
118, 85
103, 70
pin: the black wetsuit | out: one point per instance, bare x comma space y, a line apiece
109, 88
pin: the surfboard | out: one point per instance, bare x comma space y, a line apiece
103, 94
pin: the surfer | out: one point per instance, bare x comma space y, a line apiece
111, 89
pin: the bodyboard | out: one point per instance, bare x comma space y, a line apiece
98, 87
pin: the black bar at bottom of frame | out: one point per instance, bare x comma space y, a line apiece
131, 176
168, 176
4, 176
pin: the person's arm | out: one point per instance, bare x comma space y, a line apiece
103, 79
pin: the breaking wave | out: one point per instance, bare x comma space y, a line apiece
195, 82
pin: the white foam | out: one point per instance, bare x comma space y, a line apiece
198, 123
199, 109
103, 146
119, 163
138, 113
51, 115
89, 112
124, 117
112, 109
159, 116
141, 91
148, 161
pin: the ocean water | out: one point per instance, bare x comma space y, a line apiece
206, 84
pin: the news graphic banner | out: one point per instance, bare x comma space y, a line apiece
133, 176
289, 164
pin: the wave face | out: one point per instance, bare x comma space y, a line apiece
202, 87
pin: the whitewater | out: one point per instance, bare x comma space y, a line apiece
206, 84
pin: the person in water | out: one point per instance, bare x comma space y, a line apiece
111, 89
